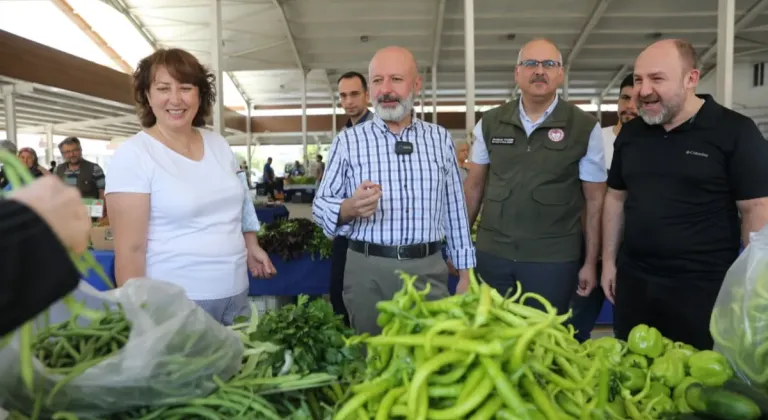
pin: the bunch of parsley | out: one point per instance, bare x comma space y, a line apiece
315, 336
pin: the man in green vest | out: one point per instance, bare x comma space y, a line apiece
537, 164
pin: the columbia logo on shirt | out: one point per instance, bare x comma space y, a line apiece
695, 153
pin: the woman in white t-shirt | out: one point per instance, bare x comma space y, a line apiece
175, 202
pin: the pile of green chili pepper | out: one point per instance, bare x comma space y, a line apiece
476, 356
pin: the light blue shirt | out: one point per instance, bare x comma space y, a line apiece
250, 220
591, 167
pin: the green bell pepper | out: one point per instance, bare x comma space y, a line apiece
668, 370
656, 389
710, 367
616, 407
668, 344
635, 361
658, 406
611, 348
682, 354
678, 395
646, 341
632, 379
681, 345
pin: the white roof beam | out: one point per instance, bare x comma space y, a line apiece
741, 24
594, 18
121, 7
436, 41
76, 125
291, 39
618, 76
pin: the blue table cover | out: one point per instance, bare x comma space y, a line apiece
268, 214
294, 277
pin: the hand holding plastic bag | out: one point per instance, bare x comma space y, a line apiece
739, 324
173, 351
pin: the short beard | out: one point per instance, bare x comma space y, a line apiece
668, 111
398, 112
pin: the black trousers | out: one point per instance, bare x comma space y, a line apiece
555, 281
679, 308
338, 263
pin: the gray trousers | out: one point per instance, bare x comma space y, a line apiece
227, 309
368, 280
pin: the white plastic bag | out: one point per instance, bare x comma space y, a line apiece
739, 324
172, 354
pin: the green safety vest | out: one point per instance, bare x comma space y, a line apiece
533, 198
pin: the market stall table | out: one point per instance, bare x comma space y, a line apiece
269, 213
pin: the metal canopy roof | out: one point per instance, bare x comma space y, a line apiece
68, 113
266, 42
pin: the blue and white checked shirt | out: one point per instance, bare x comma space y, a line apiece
422, 195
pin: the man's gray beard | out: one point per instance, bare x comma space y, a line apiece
667, 114
662, 117
397, 113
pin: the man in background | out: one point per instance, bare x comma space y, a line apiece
587, 309
627, 112
319, 169
86, 176
268, 178
353, 95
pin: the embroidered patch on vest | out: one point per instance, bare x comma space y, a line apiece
502, 140
556, 135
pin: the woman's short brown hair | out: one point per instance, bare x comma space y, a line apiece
183, 67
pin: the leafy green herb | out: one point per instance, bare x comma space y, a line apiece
315, 336
291, 238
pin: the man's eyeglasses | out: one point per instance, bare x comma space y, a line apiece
547, 64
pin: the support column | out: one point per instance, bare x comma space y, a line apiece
216, 61
421, 100
49, 143
248, 139
726, 16
9, 100
600, 112
565, 83
469, 66
304, 117
333, 123
434, 94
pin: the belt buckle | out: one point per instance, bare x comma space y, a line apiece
365, 249
399, 258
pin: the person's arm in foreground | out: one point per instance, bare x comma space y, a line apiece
128, 190
258, 260
459, 248
593, 177
613, 222
474, 185
38, 226
749, 179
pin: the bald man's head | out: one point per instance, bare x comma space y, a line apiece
539, 68
665, 78
394, 79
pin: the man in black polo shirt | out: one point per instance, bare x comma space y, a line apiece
353, 96
680, 176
